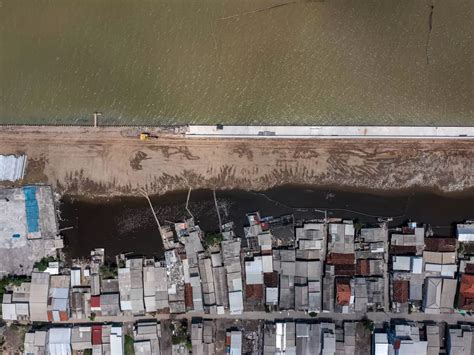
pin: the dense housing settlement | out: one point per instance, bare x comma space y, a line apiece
327, 286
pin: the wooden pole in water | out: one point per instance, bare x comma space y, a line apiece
187, 203
217, 209
145, 194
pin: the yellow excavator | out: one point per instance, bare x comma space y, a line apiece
146, 136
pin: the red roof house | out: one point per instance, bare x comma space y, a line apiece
96, 335
466, 292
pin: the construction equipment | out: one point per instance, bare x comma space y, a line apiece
146, 136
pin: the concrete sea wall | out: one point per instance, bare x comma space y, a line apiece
329, 132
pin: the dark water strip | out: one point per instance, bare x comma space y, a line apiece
123, 224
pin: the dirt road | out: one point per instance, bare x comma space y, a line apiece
113, 161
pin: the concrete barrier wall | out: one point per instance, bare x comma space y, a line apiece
329, 132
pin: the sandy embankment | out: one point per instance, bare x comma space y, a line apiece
113, 161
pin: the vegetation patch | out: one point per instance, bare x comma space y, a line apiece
43, 264
108, 272
213, 239
180, 335
11, 281
129, 350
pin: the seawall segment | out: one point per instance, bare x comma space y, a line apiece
335, 132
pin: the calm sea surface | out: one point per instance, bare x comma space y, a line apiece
237, 61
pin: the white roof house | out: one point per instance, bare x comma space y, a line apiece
116, 341
465, 232
417, 267
8, 310
408, 336
254, 271
75, 277
235, 342
381, 344
271, 295
12, 168
401, 263
59, 341
267, 261
236, 304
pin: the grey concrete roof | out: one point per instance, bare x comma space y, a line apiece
81, 338
433, 295
109, 285
39, 291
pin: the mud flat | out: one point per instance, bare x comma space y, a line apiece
106, 162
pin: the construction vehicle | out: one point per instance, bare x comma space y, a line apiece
146, 136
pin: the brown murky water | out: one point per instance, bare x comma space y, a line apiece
237, 61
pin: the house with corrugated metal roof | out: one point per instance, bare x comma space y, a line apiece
465, 232
147, 336
116, 340
59, 341
15, 302
131, 286
35, 342
155, 286
460, 340
81, 338
234, 342
231, 256
58, 303
207, 281
311, 240
285, 337
38, 299
439, 295
12, 167
284, 262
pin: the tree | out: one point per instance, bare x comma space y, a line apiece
358, 226
368, 324
11, 281
43, 264
108, 272
213, 239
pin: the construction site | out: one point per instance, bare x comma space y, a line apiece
108, 161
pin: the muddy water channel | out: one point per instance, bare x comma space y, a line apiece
125, 224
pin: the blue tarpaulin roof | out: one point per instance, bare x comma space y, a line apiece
32, 209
